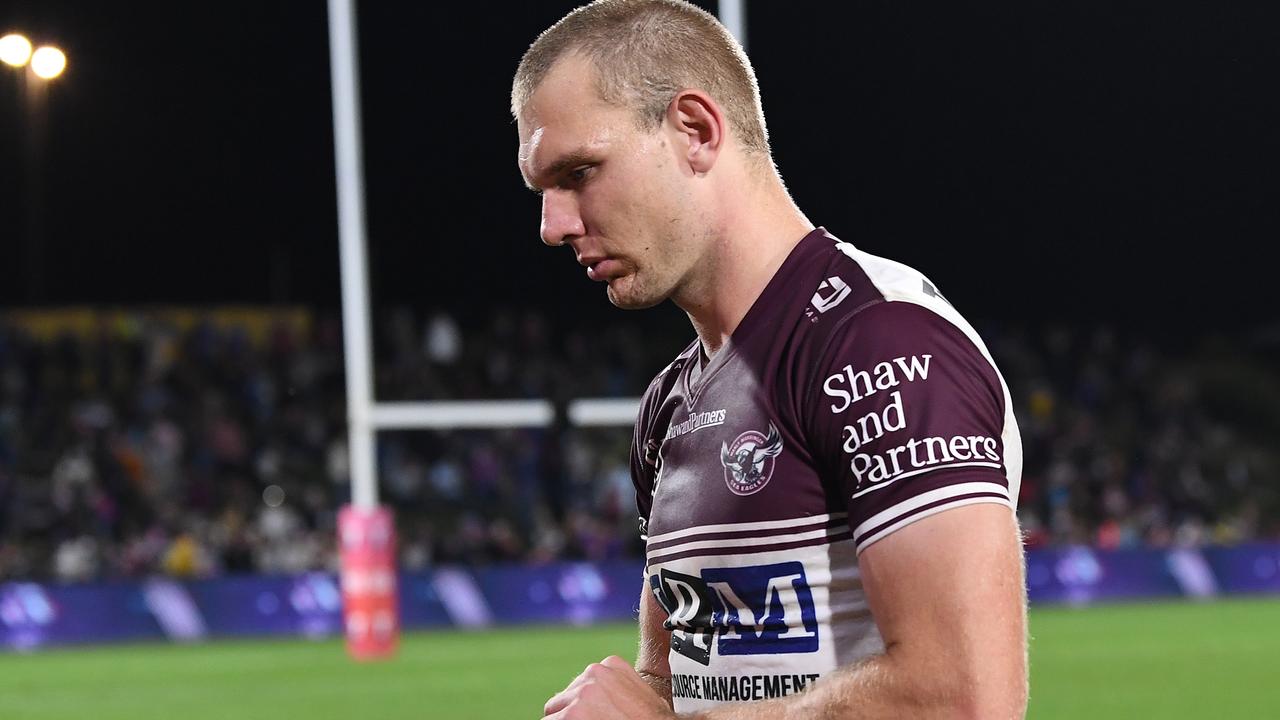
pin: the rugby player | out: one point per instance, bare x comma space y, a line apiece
826, 476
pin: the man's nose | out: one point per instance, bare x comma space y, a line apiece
561, 220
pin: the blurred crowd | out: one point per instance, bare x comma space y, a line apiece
142, 445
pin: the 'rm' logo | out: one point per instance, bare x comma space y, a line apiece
757, 610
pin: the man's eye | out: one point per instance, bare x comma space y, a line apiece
577, 175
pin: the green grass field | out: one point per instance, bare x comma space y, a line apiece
1173, 660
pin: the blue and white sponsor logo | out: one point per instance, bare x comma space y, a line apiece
756, 610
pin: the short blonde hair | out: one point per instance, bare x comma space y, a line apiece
644, 52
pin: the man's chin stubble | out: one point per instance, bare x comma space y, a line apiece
630, 300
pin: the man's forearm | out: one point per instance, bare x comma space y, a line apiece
876, 688
866, 690
661, 684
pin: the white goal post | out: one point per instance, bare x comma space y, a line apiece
456, 414
365, 416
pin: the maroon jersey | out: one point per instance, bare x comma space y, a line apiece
851, 401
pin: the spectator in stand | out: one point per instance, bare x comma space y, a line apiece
137, 448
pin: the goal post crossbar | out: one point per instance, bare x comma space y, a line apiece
497, 414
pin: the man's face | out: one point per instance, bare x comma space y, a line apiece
611, 190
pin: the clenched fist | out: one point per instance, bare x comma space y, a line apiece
608, 690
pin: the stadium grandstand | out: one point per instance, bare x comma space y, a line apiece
198, 443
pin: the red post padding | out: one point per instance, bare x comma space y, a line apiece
369, 607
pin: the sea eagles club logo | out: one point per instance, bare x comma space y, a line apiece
748, 461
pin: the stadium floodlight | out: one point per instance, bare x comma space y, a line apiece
48, 62
15, 50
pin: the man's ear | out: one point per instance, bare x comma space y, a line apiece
700, 122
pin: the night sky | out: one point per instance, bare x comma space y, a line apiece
1080, 162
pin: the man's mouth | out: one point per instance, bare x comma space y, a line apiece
603, 270
599, 267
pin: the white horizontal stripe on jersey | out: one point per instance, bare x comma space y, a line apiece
753, 541
923, 499
744, 527
922, 471
910, 518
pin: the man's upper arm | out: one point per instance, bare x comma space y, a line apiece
915, 424
910, 418
655, 639
947, 594
655, 644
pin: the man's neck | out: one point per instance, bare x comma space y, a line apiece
743, 259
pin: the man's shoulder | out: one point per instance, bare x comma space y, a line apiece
829, 282
860, 280
895, 281
893, 303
